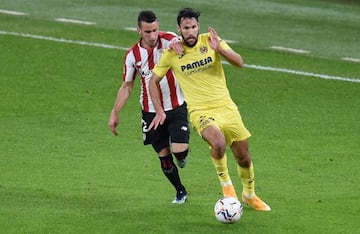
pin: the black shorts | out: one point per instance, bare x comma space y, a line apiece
174, 130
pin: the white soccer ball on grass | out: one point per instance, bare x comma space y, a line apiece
228, 210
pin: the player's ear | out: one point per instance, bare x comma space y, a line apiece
138, 29
178, 28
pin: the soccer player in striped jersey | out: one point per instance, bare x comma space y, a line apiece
173, 137
212, 112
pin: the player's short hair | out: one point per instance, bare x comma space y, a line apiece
187, 13
146, 16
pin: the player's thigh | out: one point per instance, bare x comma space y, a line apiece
158, 138
178, 125
201, 119
179, 147
233, 126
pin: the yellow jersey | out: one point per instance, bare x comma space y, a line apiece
200, 74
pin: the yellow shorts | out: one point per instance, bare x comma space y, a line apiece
226, 118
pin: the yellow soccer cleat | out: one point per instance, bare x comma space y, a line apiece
256, 203
229, 191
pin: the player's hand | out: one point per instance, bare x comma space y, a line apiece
159, 119
214, 40
113, 122
176, 46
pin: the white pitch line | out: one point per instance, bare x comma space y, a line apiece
63, 40
73, 21
351, 59
12, 12
303, 73
230, 41
300, 51
258, 67
131, 29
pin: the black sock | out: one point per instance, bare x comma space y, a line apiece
181, 155
171, 172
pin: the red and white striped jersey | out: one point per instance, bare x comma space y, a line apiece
139, 60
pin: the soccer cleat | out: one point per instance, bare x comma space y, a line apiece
256, 203
229, 191
180, 198
181, 163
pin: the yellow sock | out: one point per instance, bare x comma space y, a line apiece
222, 170
247, 178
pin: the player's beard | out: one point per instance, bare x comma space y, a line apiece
190, 37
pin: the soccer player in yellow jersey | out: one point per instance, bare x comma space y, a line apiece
212, 112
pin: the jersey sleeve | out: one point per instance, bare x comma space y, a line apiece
167, 35
163, 65
129, 69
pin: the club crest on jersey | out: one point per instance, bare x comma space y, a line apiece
203, 50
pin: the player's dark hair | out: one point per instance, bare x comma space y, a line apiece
146, 16
187, 13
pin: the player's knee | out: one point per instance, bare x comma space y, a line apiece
219, 146
244, 159
167, 164
217, 143
163, 152
181, 155
216, 139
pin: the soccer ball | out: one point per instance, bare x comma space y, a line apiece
228, 210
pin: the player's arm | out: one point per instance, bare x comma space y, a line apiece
229, 55
176, 45
155, 96
174, 42
159, 71
121, 99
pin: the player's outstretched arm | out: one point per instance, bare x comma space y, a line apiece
121, 99
155, 96
230, 55
176, 46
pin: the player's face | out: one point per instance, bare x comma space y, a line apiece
149, 33
189, 29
